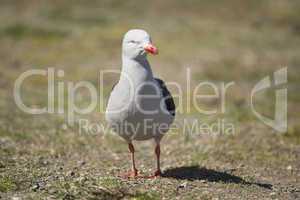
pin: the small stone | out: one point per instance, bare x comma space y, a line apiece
289, 167
38, 186
71, 173
45, 162
81, 163
272, 194
35, 187
183, 185
81, 179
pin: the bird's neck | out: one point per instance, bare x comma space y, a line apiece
136, 70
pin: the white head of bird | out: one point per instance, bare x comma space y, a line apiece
136, 44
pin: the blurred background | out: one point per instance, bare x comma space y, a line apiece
220, 41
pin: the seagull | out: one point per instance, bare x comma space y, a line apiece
140, 106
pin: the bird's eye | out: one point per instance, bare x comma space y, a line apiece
133, 42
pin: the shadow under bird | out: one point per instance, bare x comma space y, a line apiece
140, 107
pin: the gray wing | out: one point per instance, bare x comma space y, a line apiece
169, 101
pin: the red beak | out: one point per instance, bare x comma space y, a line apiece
150, 48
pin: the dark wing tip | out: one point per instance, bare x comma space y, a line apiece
169, 101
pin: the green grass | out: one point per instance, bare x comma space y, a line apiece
293, 134
20, 31
145, 196
7, 184
110, 182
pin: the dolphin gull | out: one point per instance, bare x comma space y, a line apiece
140, 107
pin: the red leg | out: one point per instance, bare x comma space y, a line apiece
157, 153
134, 170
